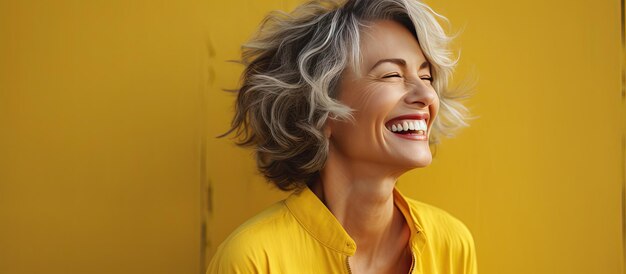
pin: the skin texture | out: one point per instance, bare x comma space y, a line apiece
365, 158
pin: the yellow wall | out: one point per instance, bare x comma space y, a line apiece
99, 136
108, 112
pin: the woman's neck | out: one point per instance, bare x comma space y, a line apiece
360, 196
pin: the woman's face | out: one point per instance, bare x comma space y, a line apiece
393, 99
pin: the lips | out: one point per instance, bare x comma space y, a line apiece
411, 126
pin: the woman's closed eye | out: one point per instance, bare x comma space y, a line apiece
397, 75
392, 75
427, 77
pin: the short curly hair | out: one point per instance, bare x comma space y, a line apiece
293, 67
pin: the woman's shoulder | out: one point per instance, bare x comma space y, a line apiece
445, 234
244, 250
265, 221
439, 223
433, 215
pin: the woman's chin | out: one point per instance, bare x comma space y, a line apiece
422, 157
423, 161
416, 160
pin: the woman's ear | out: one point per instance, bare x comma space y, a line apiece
326, 130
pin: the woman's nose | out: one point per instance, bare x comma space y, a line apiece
420, 93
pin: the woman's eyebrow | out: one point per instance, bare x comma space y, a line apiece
396, 61
400, 62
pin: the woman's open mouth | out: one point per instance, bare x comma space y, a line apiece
407, 127
414, 127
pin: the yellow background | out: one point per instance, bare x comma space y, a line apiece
109, 109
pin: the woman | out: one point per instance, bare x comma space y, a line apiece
338, 100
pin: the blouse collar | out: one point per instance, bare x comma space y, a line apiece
320, 223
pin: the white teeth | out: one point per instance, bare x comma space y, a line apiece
418, 125
423, 125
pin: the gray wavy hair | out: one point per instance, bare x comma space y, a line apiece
293, 65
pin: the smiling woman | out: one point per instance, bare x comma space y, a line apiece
396, 91
338, 100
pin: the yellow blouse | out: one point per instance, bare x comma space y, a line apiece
300, 235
